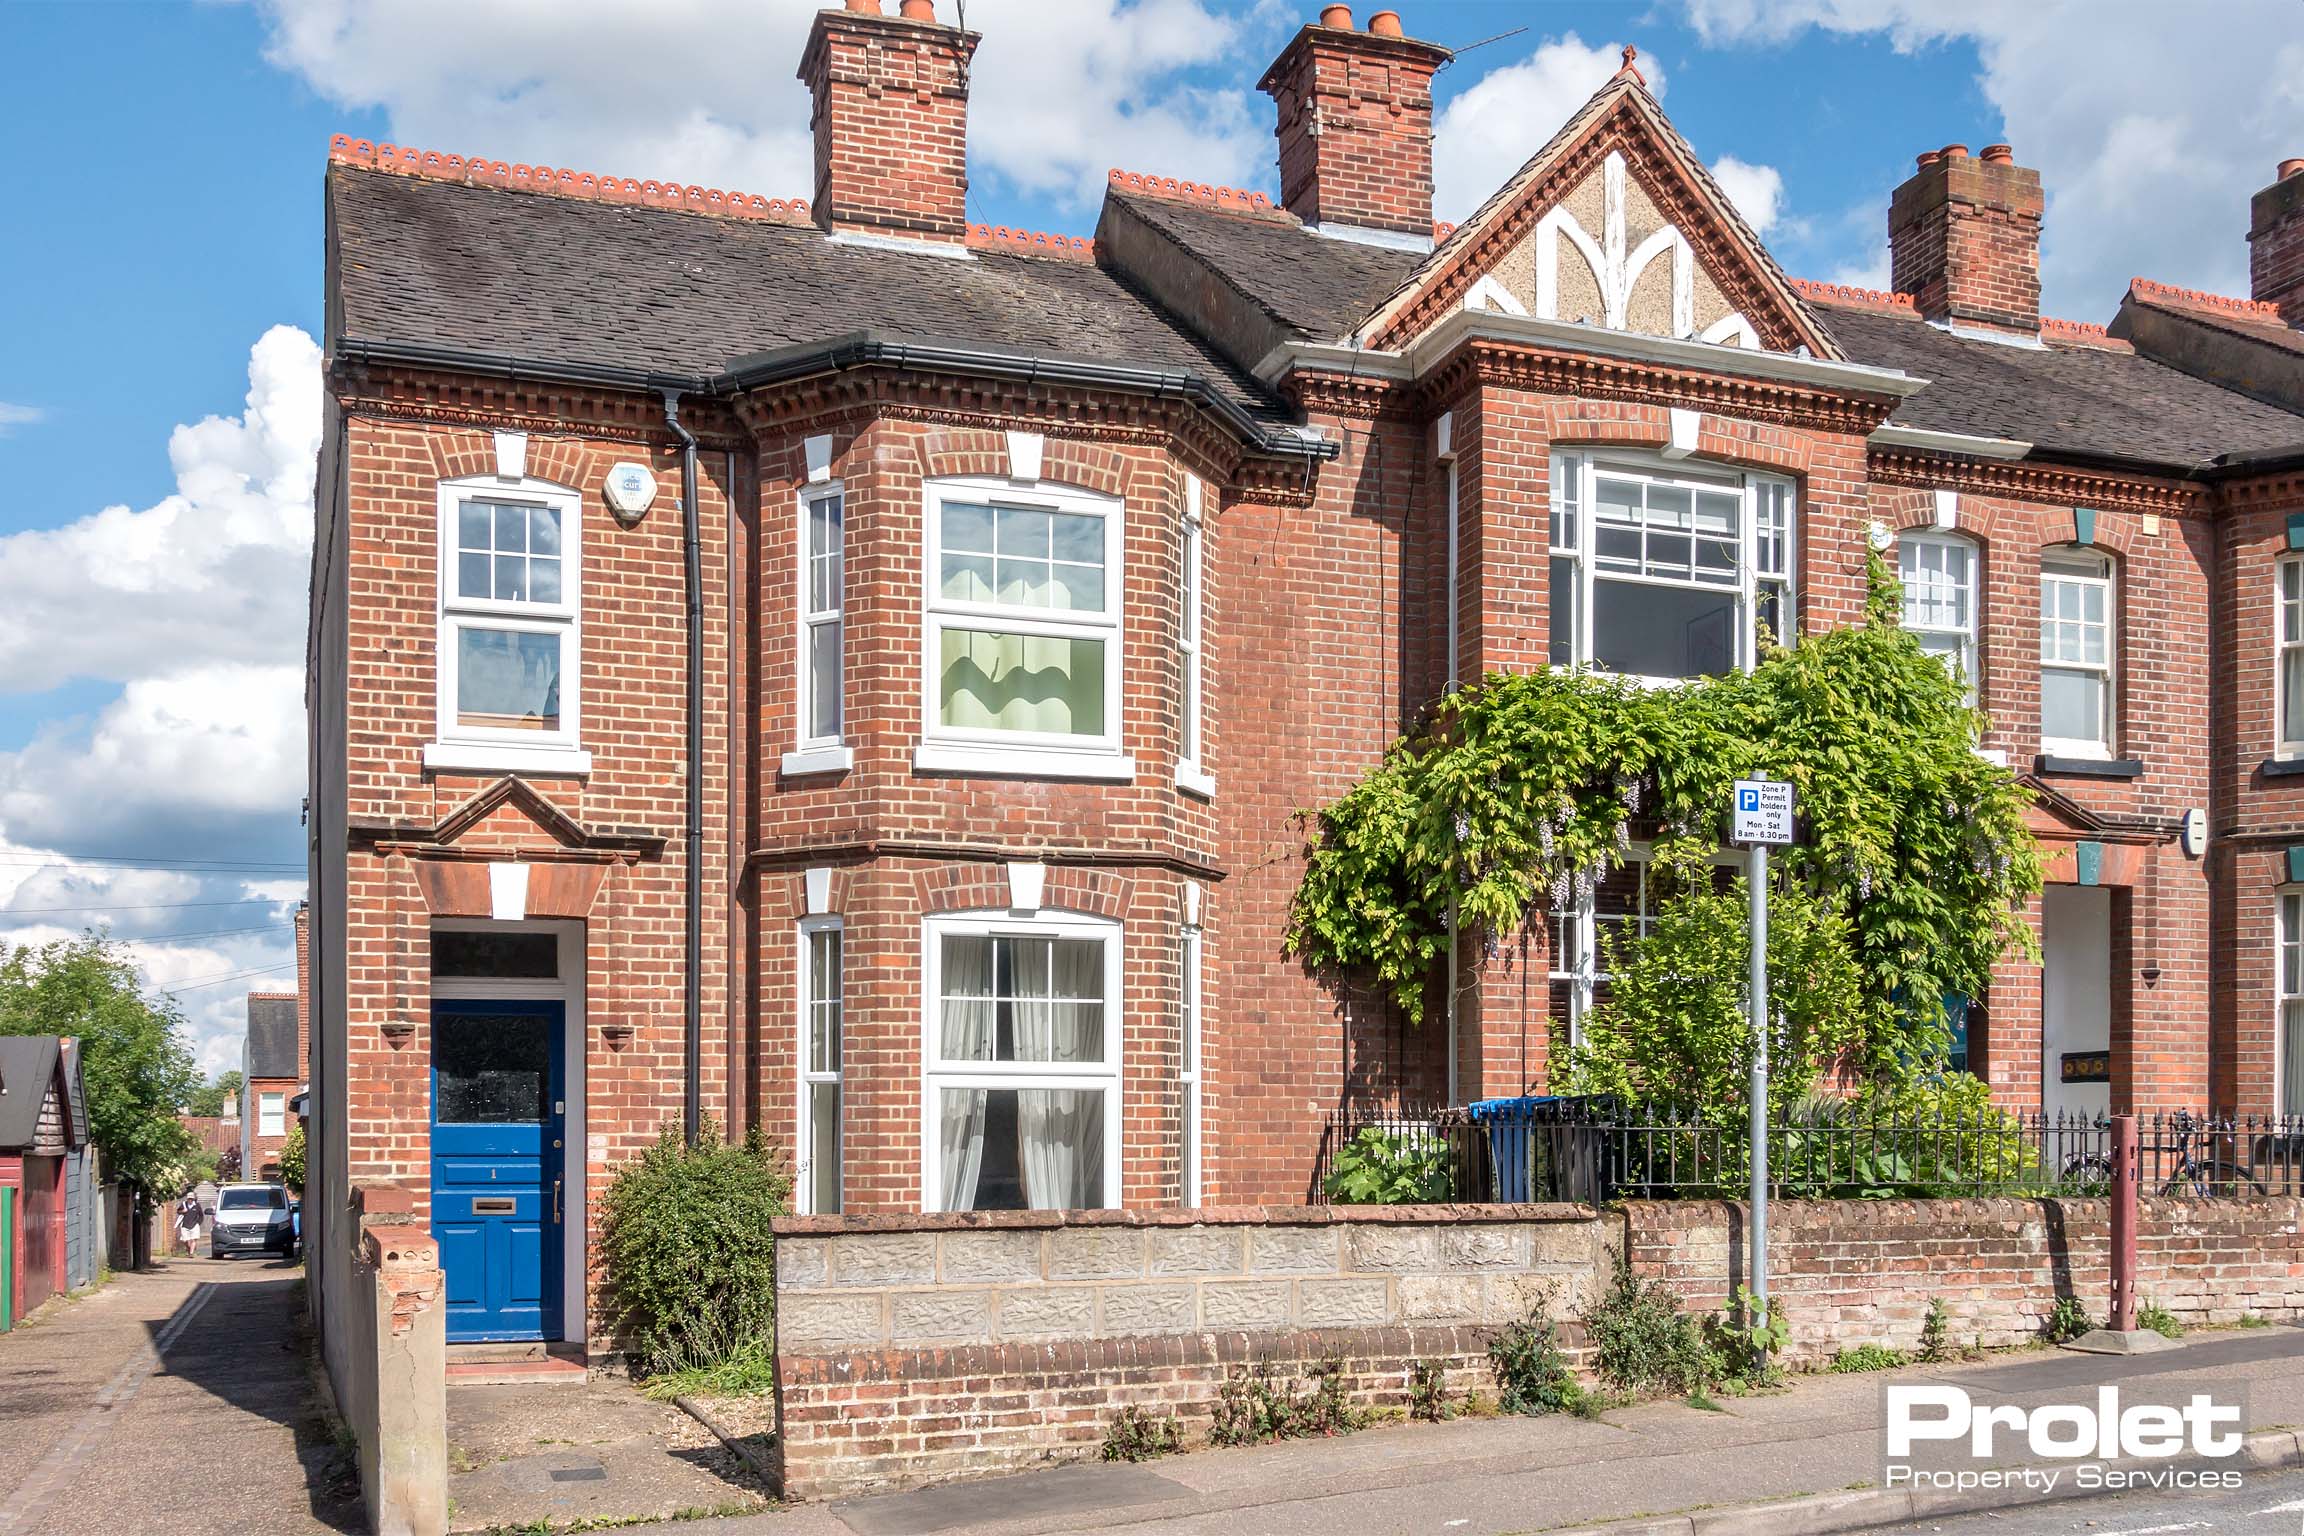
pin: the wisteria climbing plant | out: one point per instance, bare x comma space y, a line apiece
1516, 795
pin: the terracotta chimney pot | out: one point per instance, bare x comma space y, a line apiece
1999, 154
2290, 168
865, 7
1337, 16
1930, 158
1385, 24
917, 10
1955, 151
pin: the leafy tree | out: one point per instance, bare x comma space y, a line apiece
1516, 796
213, 1099
292, 1160
134, 1058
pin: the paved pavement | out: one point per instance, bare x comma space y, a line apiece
173, 1402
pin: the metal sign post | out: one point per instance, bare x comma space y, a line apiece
1761, 816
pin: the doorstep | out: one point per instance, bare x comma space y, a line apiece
523, 1364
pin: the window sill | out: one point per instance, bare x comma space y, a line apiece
2282, 768
492, 757
1996, 756
2089, 767
1195, 780
1021, 763
813, 760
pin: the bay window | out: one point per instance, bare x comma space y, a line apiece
1938, 574
1021, 631
509, 643
2290, 669
1620, 910
1020, 1106
822, 602
2291, 1003
1665, 573
2076, 653
818, 1186
1191, 772
1190, 1075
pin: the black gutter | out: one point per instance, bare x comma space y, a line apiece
692, 1000
862, 349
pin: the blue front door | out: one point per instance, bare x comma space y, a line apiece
498, 1102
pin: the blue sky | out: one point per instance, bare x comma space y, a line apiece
160, 292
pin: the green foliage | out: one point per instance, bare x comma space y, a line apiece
1254, 1405
1378, 1168
211, 1099
684, 1238
1865, 1357
1134, 1435
1750, 1339
1428, 1391
2158, 1319
1643, 1344
1935, 1333
747, 1371
133, 1055
1515, 796
1531, 1370
292, 1160
2066, 1321
1933, 1135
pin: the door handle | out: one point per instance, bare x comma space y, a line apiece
555, 1202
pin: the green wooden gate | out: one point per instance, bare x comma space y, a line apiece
7, 1258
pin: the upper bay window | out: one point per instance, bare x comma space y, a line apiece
1938, 574
821, 561
509, 630
1665, 573
2289, 648
2076, 653
1021, 631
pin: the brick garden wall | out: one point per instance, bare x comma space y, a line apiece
1858, 1271
918, 1349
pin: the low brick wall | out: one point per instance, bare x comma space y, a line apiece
1857, 1271
915, 1349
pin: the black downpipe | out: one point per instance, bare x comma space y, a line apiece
692, 1000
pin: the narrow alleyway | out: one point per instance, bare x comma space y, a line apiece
171, 1403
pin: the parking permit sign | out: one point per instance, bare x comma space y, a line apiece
1763, 812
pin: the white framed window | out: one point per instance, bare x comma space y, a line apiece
272, 1114
822, 580
1021, 634
1938, 573
510, 628
2288, 645
2289, 979
1663, 572
2076, 653
1191, 771
1021, 1095
1623, 903
1189, 1076
817, 1187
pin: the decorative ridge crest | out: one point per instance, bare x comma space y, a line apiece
1441, 230
1843, 293
1230, 199
2253, 309
556, 181
1031, 242
2083, 333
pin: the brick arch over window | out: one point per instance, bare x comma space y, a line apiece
950, 453
1722, 440
560, 461
982, 887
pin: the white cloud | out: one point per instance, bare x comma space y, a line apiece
2151, 124
1489, 131
704, 91
13, 416
1756, 190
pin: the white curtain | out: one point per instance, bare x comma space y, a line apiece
967, 1035
1060, 1017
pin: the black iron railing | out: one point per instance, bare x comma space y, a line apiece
1598, 1149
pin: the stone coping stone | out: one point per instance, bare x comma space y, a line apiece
1200, 1216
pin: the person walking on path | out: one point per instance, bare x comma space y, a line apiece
188, 1221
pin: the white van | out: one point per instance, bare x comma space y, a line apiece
251, 1218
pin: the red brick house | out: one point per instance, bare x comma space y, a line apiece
274, 1068
827, 665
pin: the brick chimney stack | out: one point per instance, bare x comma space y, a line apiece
2276, 243
1355, 124
890, 116
1964, 239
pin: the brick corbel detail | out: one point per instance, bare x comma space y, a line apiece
2025, 481
1536, 370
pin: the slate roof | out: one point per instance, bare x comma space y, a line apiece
27, 1071
2072, 399
271, 1051
546, 278
1316, 286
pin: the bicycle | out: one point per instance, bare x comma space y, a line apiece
2204, 1177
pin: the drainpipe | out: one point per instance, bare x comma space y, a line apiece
692, 999
1447, 432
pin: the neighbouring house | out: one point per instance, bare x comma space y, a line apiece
821, 664
48, 1165
275, 1064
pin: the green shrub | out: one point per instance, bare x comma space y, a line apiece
1935, 1333
1643, 1344
1253, 1405
292, 1161
1531, 1370
1866, 1357
1378, 1168
1746, 1348
2066, 1321
1428, 1391
685, 1243
2159, 1320
1134, 1435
